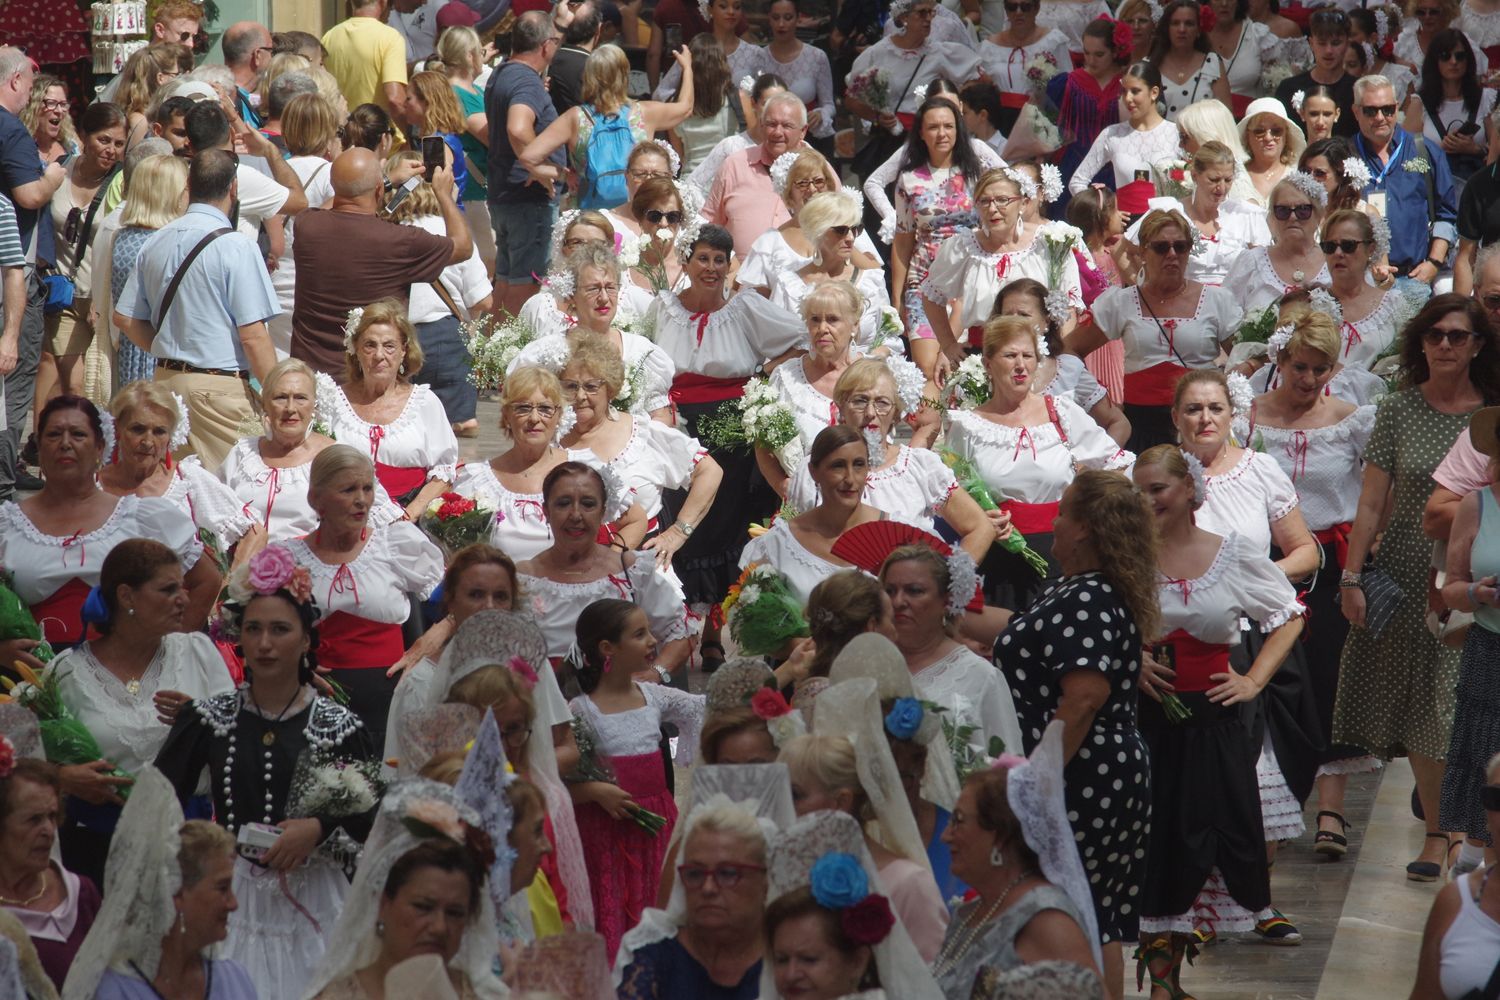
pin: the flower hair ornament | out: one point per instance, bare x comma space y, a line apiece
1241, 395
909, 382
674, 162
7, 757
1297, 100
1277, 341
704, 6
963, 578
1381, 229
560, 284
1026, 185
107, 432
781, 169
1206, 18
559, 230
1122, 38
183, 426
1308, 185
900, 7
783, 722
1322, 300
351, 327
919, 93
1052, 182
271, 569
1199, 476
747, 83
1356, 171
839, 883
1382, 26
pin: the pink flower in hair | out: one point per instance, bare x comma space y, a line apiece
270, 569
523, 670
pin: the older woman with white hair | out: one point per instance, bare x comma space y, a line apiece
549, 311
798, 177
831, 223
1261, 275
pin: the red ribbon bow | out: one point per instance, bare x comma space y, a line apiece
377, 434
1296, 450
1351, 337
343, 582
1002, 266
1186, 586
523, 504
1169, 331
702, 320
82, 549
272, 481
1024, 438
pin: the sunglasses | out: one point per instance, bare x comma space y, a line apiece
1018, 8
1275, 132
1380, 110
842, 231
1303, 212
725, 876
1455, 338
70, 228
1163, 247
1344, 246
670, 218
1489, 797
1456, 55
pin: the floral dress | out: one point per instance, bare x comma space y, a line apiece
931, 205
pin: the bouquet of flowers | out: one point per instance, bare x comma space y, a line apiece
63, 737
972, 484
1059, 242
1274, 75
966, 759
494, 351
1040, 70
1036, 133
762, 613
325, 784
765, 421
1258, 326
873, 87
16, 622
632, 388
1172, 179
968, 386
453, 521
890, 329
592, 767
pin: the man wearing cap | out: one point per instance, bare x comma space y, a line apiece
368, 58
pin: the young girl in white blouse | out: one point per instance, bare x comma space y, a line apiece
1137, 144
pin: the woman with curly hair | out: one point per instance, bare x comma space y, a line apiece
47, 118
1105, 544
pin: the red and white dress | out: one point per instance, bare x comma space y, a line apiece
415, 448
276, 497
53, 574
1159, 352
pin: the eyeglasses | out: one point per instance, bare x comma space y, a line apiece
544, 410
187, 37
594, 291
1489, 797
49, 104
515, 735
842, 231
1163, 247
879, 404
811, 183
999, 201
1455, 338
1491, 302
1018, 8
1456, 55
725, 876
1303, 212
264, 48
1343, 246
574, 242
670, 218
589, 388
1381, 110
646, 175
1274, 131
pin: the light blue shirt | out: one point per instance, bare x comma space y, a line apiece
227, 288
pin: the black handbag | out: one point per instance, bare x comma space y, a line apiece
1382, 595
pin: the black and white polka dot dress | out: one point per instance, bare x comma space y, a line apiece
1082, 624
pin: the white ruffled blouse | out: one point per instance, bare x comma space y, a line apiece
1256, 283
1367, 338
780, 550
1072, 380
207, 502
729, 342
812, 410
1354, 385
656, 458
520, 529
1325, 464
771, 255
419, 438
913, 489
964, 271
789, 289
1192, 342
1248, 499
546, 315
1034, 464
397, 560
637, 731
975, 694
277, 497
1242, 581
638, 354
1241, 226
556, 606
1006, 65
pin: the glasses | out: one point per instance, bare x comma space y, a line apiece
646, 175
999, 201
264, 48
515, 735
574, 242
1491, 302
842, 231
49, 104
595, 291
544, 410
1274, 131
1163, 247
589, 388
810, 184
187, 37
879, 404
1302, 212
725, 876
70, 227
1343, 246
1378, 110
670, 218
1489, 797
1455, 338
1457, 55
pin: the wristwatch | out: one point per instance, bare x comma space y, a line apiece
686, 527
662, 672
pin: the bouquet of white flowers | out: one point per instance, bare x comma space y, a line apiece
968, 386
494, 352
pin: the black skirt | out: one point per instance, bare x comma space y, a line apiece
1205, 809
1476, 735
1322, 644
1149, 426
1009, 581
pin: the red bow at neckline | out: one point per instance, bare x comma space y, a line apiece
68, 542
343, 582
525, 503
1351, 337
1296, 450
1186, 586
272, 480
377, 435
1024, 438
701, 319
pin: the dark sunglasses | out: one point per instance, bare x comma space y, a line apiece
1164, 247
670, 218
1018, 8
1302, 212
1489, 797
842, 231
70, 228
1347, 246
1457, 55
1383, 110
1455, 338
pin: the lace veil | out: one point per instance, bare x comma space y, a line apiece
851, 709
482, 786
425, 733
18, 724
140, 880
735, 683
902, 972
873, 655
1035, 792
488, 637
354, 943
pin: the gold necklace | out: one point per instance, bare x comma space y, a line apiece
946, 961
24, 903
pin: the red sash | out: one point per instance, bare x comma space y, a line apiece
1153, 386
689, 387
1010, 99
906, 120
350, 642
60, 615
1240, 103
1031, 518
976, 336
1194, 661
399, 480
1338, 535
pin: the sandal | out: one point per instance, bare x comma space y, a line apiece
1427, 871
1277, 929
714, 662
1326, 842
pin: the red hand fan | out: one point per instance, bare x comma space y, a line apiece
867, 546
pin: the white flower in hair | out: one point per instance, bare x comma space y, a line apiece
687, 236
963, 578
1382, 26
1026, 185
1297, 100
1052, 182
781, 169
909, 382
1241, 396
747, 82
565, 421
1321, 300
1277, 341
703, 8
618, 496
692, 198
919, 93
351, 327
184, 424
673, 160
1200, 478
1058, 308
1357, 172
1155, 10
1308, 185
560, 284
559, 228
1382, 230
899, 7
325, 401
552, 353
107, 431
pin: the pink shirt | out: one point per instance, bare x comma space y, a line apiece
743, 201
1465, 469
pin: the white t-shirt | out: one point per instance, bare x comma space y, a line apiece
260, 198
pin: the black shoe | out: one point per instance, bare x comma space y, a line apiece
28, 450
26, 482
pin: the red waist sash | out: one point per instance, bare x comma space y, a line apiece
1194, 661
1031, 518
349, 642
906, 120
399, 480
62, 610
1010, 99
1153, 386
1338, 537
976, 336
689, 387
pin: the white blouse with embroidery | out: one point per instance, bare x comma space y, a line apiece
975, 694
1256, 284
655, 368
637, 731
810, 76
656, 458
920, 66
1325, 464
520, 529
276, 498
789, 289
1353, 385
1192, 342
1033, 464
914, 488
1241, 581
208, 502
397, 560
780, 549
729, 342
1071, 17
771, 255
1072, 380
1367, 338
419, 438
556, 606
812, 410
1005, 65
1247, 500
966, 272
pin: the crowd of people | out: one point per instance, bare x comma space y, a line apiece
1063, 440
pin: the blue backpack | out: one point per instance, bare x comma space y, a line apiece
607, 151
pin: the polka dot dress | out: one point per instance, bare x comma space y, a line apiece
1082, 624
1396, 691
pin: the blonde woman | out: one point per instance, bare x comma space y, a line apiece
1273, 141
158, 194
432, 108
47, 118
797, 177
831, 223
606, 77
145, 73
462, 56
310, 127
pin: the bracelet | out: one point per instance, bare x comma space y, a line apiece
1349, 576
1350, 585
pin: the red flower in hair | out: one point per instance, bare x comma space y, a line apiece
868, 921
1124, 41
769, 703
1206, 18
7, 757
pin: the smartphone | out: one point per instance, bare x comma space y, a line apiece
403, 191
1467, 128
433, 155
673, 37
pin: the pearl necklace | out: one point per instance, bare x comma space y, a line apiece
946, 961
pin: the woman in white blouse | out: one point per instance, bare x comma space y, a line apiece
1273, 141
1210, 121
1190, 69
1372, 317
831, 223
1260, 276
1144, 139
399, 423
1007, 55
149, 421
797, 177
805, 68
127, 685
974, 264
1246, 48
364, 577
1222, 229
595, 305
1169, 323
647, 161
548, 313
1026, 448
